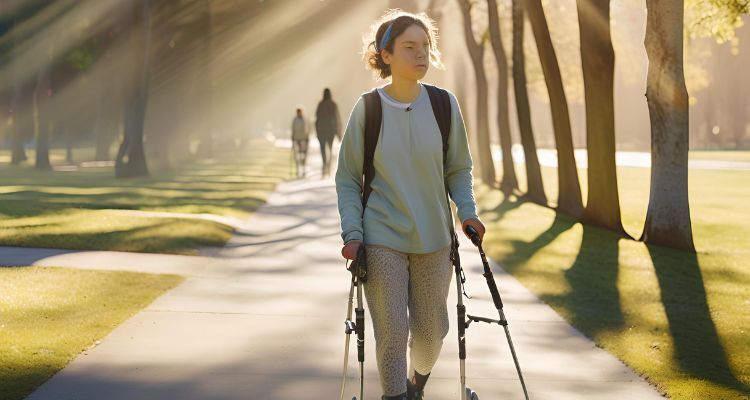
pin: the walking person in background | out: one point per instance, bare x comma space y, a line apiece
327, 125
300, 140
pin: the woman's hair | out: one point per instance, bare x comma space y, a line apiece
399, 21
326, 94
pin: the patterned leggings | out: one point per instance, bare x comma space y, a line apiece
419, 282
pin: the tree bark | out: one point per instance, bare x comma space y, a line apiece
131, 158
569, 194
18, 154
509, 182
476, 52
103, 125
206, 144
109, 112
435, 10
535, 187
68, 134
668, 217
598, 63
42, 93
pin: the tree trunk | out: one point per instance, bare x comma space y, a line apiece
535, 191
109, 114
42, 92
406, 5
668, 217
206, 144
598, 63
131, 158
103, 132
68, 134
569, 194
103, 123
435, 10
18, 154
459, 73
476, 51
509, 182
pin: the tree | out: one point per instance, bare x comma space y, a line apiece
131, 158
509, 182
435, 10
598, 63
569, 194
714, 18
406, 5
476, 52
668, 217
42, 94
206, 145
18, 154
109, 109
535, 190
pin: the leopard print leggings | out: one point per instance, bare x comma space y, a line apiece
397, 281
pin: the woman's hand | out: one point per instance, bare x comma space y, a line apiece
349, 251
476, 224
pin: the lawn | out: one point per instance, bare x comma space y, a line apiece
88, 208
678, 319
723, 155
50, 315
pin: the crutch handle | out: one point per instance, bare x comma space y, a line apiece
473, 235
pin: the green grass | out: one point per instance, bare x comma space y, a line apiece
57, 156
50, 315
90, 209
724, 155
678, 319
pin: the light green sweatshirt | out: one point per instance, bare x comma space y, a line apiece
407, 210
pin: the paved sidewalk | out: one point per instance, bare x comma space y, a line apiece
263, 317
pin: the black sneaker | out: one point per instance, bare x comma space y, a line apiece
412, 393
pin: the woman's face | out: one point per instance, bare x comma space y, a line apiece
411, 54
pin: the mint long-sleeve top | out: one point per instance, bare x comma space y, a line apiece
407, 210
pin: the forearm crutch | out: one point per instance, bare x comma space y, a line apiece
474, 236
359, 275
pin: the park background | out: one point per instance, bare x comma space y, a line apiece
161, 126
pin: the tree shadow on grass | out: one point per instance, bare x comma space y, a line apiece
698, 349
594, 299
523, 251
503, 208
142, 239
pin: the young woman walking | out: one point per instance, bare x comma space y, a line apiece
406, 220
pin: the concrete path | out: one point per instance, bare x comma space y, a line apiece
637, 159
263, 318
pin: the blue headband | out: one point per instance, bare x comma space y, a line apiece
386, 37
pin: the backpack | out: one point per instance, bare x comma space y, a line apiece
441, 107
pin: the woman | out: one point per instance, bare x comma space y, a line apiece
405, 227
300, 140
327, 125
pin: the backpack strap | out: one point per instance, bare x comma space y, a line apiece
373, 122
441, 106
